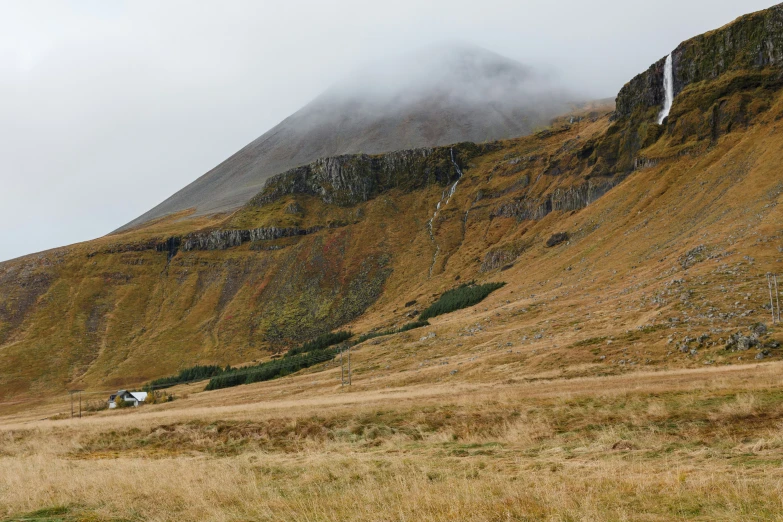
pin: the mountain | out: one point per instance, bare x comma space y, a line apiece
440, 95
623, 243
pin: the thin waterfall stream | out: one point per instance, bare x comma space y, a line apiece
446, 195
668, 88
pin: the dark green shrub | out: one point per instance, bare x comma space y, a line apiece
320, 342
373, 335
404, 328
458, 298
556, 239
270, 370
411, 326
194, 373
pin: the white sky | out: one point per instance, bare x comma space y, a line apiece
108, 107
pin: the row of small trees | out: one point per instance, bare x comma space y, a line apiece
321, 342
403, 328
194, 373
269, 370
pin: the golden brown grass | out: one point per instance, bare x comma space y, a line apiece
688, 444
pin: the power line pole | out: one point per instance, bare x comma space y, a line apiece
771, 301
345, 367
71, 392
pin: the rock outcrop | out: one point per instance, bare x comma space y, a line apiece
502, 257
170, 246
645, 90
351, 179
223, 239
220, 239
566, 200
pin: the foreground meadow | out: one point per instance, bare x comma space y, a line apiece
698, 444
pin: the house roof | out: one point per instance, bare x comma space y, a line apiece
139, 396
125, 394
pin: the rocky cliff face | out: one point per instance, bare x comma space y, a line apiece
560, 199
754, 41
341, 180
348, 180
223, 239
644, 91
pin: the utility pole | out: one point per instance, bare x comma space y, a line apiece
345, 367
71, 392
771, 301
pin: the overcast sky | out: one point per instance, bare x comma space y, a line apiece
108, 107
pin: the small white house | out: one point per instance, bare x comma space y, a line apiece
135, 398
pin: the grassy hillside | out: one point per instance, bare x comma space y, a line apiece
122, 310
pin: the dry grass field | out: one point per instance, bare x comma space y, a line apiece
700, 444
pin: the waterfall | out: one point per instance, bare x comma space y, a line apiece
668, 87
459, 176
446, 195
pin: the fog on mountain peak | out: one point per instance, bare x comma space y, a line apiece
435, 96
466, 73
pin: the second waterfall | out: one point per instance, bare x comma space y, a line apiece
444, 200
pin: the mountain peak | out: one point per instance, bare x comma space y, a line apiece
441, 94
464, 72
